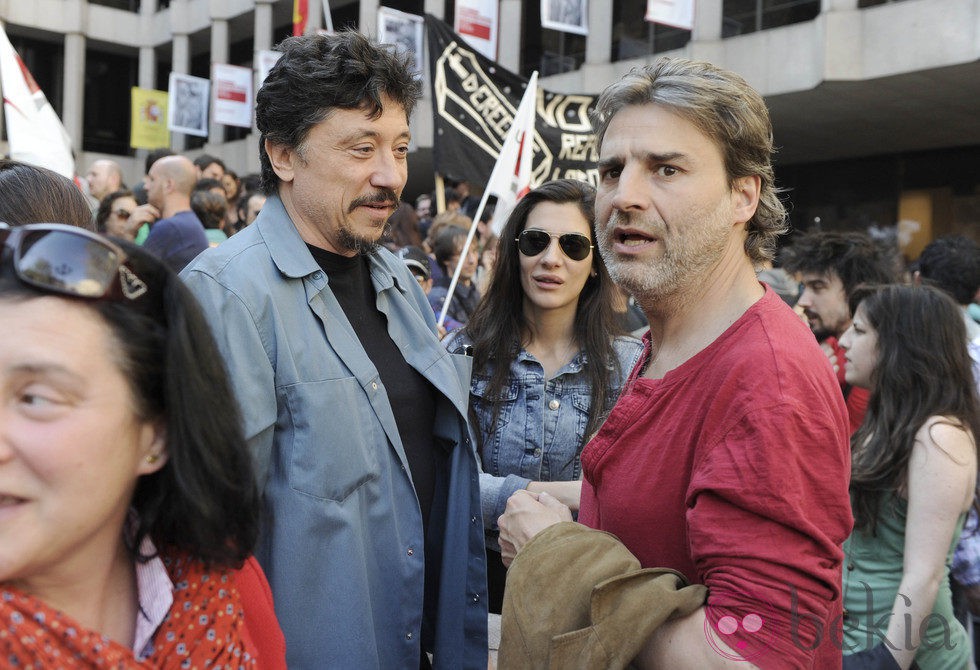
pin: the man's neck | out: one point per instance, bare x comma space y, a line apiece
174, 206
687, 322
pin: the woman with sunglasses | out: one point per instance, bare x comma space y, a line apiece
547, 362
114, 214
913, 478
128, 508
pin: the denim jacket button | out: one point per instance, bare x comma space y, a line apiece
554, 404
537, 453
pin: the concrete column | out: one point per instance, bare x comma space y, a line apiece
707, 22
598, 43
838, 5
180, 63
73, 88
219, 54
436, 8
509, 41
262, 41
367, 21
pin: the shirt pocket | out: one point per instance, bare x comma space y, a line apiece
484, 404
334, 450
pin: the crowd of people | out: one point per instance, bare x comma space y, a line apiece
235, 431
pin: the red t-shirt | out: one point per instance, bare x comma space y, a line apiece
733, 469
855, 398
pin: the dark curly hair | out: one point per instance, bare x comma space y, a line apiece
319, 73
952, 263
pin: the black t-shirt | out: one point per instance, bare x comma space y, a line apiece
411, 395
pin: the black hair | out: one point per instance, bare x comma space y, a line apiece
923, 369
319, 73
854, 257
105, 207
32, 194
156, 155
204, 500
204, 160
206, 184
498, 324
952, 263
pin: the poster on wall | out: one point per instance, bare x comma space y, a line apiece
188, 110
404, 31
476, 22
148, 127
676, 13
232, 104
569, 16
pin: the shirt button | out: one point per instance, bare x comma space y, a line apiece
374, 386
537, 453
410, 552
317, 275
472, 519
476, 597
408, 636
554, 404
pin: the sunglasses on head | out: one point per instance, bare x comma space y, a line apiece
70, 261
532, 242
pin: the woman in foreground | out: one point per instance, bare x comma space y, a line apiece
128, 508
547, 364
914, 472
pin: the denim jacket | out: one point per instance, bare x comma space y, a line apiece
541, 425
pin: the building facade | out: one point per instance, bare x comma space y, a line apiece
875, 104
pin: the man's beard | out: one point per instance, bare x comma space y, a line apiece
346, 237
694, 247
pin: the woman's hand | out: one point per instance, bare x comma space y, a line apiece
527, 514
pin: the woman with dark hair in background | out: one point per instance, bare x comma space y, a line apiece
547, 362
31, 194
114, 217
913, 478
128, 507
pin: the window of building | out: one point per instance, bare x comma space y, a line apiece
633, 37
125, 5
106, 122
545, 50
740, 17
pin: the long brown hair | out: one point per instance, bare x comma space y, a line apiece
923, 369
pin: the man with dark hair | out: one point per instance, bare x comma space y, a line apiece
831, 265
952, 263
209, 167
726, 456
356, 416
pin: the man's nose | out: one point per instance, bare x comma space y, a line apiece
632, 190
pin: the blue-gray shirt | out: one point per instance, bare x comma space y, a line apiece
342, 541
541, 424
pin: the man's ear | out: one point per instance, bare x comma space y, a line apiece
283, 160
745, 195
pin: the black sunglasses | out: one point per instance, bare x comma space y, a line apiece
70, 261
532, 242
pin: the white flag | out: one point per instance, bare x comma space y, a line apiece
511, 176
510, 179
34, 131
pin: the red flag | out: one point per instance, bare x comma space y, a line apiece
301, 15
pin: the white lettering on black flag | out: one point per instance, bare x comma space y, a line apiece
474, 101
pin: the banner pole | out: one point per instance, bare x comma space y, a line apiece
440, 194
